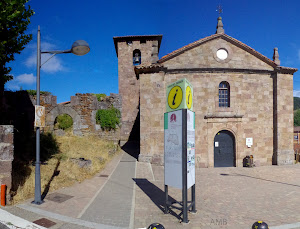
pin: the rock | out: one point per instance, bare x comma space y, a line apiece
59, 132
102, 160
81, 162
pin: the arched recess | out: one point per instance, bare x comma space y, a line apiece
60, 109
224, 149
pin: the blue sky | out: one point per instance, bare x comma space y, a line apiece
261, 24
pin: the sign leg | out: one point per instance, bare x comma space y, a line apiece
166, 203
194, 199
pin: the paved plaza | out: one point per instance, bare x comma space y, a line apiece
130, 194
225, 197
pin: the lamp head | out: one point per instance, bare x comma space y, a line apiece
80, 48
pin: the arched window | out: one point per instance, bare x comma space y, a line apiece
224, 94
137, 57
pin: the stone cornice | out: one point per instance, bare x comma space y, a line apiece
159, 67
211, 116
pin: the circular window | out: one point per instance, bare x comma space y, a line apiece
222, 54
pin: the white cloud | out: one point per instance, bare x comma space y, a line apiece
26, 79
52, 66
20, 80
296, 93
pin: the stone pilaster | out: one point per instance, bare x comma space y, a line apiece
6, 156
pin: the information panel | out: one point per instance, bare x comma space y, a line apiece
190, 148
173, 148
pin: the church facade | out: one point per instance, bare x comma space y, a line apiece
243, 101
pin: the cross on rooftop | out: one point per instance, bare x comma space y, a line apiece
219, 9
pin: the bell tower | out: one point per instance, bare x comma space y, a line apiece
132, 51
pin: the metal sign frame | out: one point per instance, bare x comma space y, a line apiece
184, 203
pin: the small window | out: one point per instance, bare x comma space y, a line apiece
143, 41
129, 42
224, 94
137, 57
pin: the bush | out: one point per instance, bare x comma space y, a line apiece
33, 92
100, 96
108, 118
64, 121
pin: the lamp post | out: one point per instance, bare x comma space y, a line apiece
79, 48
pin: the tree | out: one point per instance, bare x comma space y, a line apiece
14, 19
297, 118
296, 103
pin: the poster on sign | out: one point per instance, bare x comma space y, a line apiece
39, 120
173, 148
190, 148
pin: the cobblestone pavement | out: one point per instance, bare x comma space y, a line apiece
225, 197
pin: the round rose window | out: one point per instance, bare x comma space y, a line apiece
222, 54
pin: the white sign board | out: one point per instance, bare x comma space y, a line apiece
190, 148
173, 149
249, 142
39, 120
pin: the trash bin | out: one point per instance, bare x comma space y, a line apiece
251, 161
248, 161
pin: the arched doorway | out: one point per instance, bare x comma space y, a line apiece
224, 149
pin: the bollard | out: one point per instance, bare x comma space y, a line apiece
3, 194
260, 225
156, 226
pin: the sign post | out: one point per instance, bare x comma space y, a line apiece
179, 150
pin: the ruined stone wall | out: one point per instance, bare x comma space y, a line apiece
6, 155
82, 108
19, 111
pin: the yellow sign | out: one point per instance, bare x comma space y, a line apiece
175, 97
188, 97
179, 95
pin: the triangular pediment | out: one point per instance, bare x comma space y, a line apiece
203, 54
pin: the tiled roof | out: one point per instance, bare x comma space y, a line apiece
63, 103
151, 68
296, 128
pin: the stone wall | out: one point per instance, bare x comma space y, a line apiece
82, 108
261, 103
128, 81
6, 156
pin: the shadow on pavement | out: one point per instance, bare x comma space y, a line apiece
278, 182
3, 226
156, 195
132, 148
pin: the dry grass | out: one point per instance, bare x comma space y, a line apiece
60, 171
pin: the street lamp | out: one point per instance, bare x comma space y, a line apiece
79, 48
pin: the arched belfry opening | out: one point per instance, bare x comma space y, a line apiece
224, 149
137, 57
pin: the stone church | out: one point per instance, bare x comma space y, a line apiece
243, 101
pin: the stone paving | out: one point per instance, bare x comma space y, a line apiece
225, 197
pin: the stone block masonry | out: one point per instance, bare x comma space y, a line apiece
6, 156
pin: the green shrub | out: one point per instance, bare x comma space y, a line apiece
108, 118
100, 96
64, 121
33, 92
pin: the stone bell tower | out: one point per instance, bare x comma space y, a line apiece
132, 51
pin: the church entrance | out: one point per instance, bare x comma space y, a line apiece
224, 149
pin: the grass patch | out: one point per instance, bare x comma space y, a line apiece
60, 170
